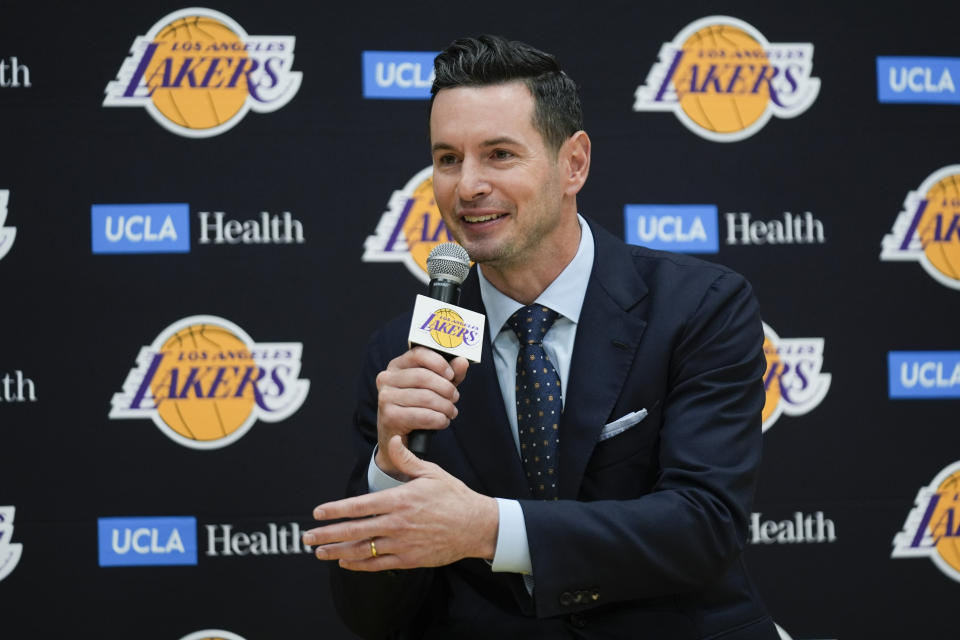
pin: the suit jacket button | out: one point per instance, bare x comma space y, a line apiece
566, 599
595, 595
578, 621
579, 597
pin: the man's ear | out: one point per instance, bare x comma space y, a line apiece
575, 156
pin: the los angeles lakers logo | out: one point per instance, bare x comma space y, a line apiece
198, 73
932, 528
794, 383
448, 329
928, 228
410, 227
724, 81
204, 382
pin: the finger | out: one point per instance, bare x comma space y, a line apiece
352, 551
423, 357
404, 459
417, 378
361, 506
459, 365
416, 399
397, 419
380, 563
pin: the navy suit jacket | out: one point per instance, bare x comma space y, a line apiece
646, 538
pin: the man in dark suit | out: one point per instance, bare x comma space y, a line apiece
592, 476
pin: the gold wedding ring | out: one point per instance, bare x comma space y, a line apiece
373, 548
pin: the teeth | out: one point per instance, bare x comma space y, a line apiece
481, 218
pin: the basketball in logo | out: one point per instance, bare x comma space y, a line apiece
447, 328
724, 80
204, 382
189, 411
410, 228
715, 109
938, 227
927, 230
179, 44
942, 527
197, 72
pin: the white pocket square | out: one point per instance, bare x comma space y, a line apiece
620, 425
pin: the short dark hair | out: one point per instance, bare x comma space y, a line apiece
487, 60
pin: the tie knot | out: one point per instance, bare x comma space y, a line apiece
532, 322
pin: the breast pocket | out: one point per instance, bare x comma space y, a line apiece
624, 460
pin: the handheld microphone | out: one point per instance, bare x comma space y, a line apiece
447, 266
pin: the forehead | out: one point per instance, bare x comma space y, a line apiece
489, 111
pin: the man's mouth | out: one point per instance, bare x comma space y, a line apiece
485, 218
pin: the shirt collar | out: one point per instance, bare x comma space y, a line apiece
564, 295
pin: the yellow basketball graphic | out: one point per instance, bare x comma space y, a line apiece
196, 41
949, 545
424, 228
446, 328
192, 360
943, 205
771, 379
721, 112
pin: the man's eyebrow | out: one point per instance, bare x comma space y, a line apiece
441, 146
501, 140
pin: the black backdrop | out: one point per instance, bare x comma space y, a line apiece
73, 322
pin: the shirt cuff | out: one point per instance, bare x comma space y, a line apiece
513, 550
377, 480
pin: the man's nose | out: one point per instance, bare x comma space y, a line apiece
474, 182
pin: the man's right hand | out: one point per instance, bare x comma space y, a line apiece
418, 390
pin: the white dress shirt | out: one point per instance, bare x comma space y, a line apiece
565, 296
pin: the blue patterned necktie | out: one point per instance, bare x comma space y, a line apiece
539, 401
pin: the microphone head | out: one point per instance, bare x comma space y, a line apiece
449, 261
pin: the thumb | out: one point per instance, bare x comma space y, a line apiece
404, 459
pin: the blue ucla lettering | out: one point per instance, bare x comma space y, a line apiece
138, 228
144, 541
920, 80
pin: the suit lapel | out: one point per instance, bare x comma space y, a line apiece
608, 334
482, 428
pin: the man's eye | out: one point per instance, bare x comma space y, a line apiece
448, 158
502, 154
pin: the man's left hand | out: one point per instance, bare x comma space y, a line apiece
432, 520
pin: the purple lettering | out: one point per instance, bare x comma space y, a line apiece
147, 379
141, 69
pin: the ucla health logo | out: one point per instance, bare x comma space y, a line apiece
140, 228
928, 228
924, 374
688, 228
198, 73
794, 382
204, 382
211, 634
918, 80
410, 227
7, 234
9, 551
127, 542
724, 81
398, 75
932, 528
